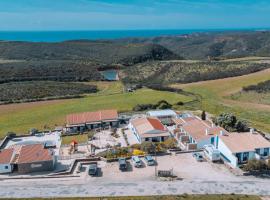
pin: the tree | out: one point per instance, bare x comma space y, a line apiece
203, 116
148, 147
231, 123
170, 143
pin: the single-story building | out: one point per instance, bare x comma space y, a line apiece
149, 129
6, 157
165, 116
195, 133
81, 122
238, 148
35, 158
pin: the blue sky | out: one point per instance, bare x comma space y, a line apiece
133, 14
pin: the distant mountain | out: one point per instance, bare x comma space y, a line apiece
214, 45
107, 52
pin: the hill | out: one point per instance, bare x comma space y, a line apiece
214, 45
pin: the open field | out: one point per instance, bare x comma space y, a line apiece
261, 98
165, 197
215, 99
21, 117
78, 138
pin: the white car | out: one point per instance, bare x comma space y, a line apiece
136, 161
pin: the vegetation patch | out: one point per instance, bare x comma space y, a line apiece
42, 90
82, 138
182, 72
262, 87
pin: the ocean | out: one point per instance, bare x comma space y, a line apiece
58, 36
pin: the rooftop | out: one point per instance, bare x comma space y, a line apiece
34, 153
157, 113
88, 117
6, 156
249, 142
200, 129
148, 126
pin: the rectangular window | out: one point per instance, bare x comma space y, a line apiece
245, 156
6, 167
265, 152
258, 151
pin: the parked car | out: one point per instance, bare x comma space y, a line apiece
198, 157
93, 169
136, 161
149, 160
122, 164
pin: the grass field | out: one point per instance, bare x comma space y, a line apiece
21, 117
215, 98
78, 138
179, 197
261, 98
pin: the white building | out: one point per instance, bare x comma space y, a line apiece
6, 157
238, 148
196, 133
149, 129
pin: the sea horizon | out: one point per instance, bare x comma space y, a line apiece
65, 35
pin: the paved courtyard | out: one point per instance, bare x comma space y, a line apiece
195, 178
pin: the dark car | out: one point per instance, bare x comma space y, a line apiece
93, 169
198, 157
122, 164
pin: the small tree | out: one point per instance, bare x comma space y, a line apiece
203, 116
148, 147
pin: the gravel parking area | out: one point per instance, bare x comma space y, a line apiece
197, 178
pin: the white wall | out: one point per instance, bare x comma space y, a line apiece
4, 170
225, 151
203, 142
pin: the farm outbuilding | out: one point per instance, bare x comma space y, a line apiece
81, 122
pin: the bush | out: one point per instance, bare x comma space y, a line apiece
148, 147
231, 123
170, 143
159, 105
256, 165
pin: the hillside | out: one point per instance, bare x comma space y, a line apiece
214, 45
159, 72
105, 52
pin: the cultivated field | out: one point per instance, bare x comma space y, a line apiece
215, 99
47, 114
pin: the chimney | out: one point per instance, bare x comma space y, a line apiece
221, 132
206, 131
252, 130
213, 125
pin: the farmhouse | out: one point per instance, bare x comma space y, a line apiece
165, 116
34, 158
6, 157
81, 122
238, 148
195, 133
149, 129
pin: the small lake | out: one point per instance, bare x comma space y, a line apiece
110, 75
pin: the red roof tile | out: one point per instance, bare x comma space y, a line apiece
88, 117
6, 156
34, 153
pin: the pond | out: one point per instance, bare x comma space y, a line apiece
110, 75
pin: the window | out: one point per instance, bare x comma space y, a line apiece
245, 156
258, 151
6, 167
265, 152
212, 140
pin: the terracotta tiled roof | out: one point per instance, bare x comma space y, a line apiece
243, 142
34, 153
6, 156
200, 130
149, 127
88, 117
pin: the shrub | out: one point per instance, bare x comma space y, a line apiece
148, 147
231, 123
203, 116
170, 143
255, 165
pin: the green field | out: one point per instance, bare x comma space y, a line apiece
214, 98
167, 197
252, 97
21, 117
